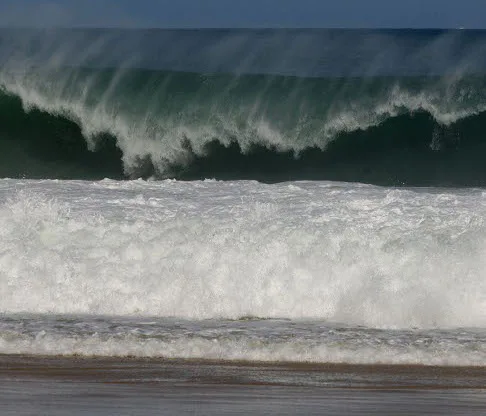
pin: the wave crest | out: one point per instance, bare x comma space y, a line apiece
168, 124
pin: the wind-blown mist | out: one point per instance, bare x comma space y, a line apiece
233, 104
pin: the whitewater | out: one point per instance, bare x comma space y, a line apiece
224, 197
296, 271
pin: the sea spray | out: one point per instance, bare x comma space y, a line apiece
168, 124
197, 104
340, 253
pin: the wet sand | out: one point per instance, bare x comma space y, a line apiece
110, 386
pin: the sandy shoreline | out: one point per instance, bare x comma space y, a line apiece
141, 370
60, 385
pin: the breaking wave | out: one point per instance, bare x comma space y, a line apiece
80, 123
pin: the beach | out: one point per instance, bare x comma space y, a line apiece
113, 386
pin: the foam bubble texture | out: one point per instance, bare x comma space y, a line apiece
251, 340
356, 254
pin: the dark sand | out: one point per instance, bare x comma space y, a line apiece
109, 386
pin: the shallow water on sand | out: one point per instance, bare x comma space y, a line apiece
77, 398
106, 386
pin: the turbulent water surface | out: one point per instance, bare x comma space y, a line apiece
277, 195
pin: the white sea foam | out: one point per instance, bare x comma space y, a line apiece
357, 254
252, 340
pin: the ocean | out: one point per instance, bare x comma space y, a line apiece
256, 196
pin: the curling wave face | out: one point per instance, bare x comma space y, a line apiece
62, 121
